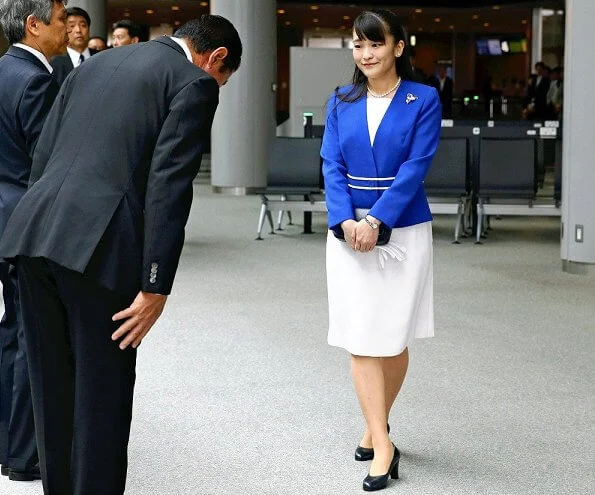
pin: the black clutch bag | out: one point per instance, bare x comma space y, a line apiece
384, 233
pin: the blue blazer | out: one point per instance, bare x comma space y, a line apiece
386, 178
27, 91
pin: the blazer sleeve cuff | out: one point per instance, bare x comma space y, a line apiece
156, 280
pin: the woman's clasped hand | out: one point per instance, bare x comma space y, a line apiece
359, 235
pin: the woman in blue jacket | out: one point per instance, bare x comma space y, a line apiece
381, 134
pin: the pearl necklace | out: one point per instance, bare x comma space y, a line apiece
394, 88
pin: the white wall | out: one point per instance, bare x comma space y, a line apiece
314, 73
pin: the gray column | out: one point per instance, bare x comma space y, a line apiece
578, 170
536, 37
245, 121
97, 10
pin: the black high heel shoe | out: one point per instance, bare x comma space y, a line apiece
375, 483
365, 453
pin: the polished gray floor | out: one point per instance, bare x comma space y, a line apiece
238, 393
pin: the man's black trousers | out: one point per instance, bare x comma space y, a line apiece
82, 382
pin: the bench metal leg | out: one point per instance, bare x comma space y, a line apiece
308, 222
460, 215
270, 219
281, 212
280, 220
264, 212
307, 218
480, 215
467, 216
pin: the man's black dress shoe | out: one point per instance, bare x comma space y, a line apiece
375, 483
4, 470
29, 475
365, 453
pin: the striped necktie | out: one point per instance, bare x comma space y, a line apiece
81, 59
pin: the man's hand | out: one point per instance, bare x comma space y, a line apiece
140, 317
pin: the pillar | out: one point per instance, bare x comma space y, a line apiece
578, 149
245, 121
97, 11
536, 37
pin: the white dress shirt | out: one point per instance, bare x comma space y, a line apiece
184, 46
76, 56
38, 54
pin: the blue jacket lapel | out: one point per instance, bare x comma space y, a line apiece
360, 133
391, 117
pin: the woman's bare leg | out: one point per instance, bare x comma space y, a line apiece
394, 369
368, 377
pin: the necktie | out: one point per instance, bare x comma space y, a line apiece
81, 59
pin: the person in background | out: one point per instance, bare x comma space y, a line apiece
380, 296
126, 32
78, 50
417, 75
542, 86
97, 43
36, 31
445, 87
555, 94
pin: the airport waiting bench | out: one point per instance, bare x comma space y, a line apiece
447, 183
508, 176
477, 171
293, 181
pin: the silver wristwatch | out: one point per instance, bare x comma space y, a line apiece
371, 224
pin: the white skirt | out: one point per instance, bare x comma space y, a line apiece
379, 304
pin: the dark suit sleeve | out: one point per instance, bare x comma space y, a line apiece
34, 106
412, 172
47, 138
176, 160
62, 67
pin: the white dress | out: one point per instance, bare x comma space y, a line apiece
381, 301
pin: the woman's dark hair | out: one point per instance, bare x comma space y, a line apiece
375, 25
210, 32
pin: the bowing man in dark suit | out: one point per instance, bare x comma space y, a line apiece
78, 50
36, 30
98, 237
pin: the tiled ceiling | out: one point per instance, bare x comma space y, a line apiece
500, 18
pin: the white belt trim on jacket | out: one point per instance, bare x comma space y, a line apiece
369, 188
369, 178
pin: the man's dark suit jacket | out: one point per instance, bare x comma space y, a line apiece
62, 65
541, 106
27, 91
111, 183
445, 94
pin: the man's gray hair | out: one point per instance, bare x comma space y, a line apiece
14, 13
